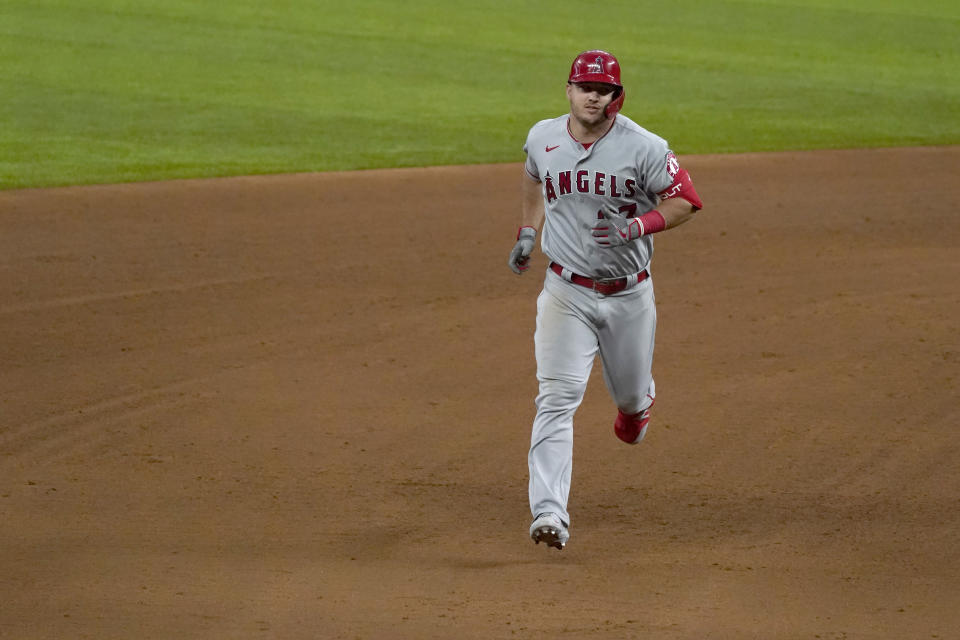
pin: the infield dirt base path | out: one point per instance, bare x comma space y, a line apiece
299, 407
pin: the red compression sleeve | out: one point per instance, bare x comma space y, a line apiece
682, 187
651, 222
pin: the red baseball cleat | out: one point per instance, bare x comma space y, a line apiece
632, 428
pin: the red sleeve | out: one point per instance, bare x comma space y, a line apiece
682, 187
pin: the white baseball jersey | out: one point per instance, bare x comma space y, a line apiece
622, 172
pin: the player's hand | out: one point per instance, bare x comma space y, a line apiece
613, 230
520, 255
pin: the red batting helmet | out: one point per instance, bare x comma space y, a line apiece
599, 66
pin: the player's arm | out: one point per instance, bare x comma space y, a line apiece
676, 211
679, 201
531, 217
678, 204
532, 214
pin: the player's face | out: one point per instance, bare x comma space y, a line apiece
588, 101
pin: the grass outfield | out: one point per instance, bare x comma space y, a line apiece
125, 90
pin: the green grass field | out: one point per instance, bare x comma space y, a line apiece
125, 90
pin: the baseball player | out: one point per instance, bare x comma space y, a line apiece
600, 185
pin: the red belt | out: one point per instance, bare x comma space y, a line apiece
603, 287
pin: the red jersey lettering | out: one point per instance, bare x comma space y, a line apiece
598, 183
583, 182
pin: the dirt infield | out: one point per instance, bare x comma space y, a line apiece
299, 407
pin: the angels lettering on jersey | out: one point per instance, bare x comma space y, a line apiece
599, 183
586, 181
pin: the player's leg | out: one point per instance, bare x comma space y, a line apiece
566, 345
626, 340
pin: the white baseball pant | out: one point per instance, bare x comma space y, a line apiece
574, 325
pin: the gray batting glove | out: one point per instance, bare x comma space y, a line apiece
614, 230
520, 255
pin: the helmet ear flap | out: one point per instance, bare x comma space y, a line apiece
615, 105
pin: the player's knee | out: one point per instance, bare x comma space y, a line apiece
560, 395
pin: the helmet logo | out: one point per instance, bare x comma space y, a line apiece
597, 66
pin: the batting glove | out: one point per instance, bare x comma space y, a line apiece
615, 230
520, 255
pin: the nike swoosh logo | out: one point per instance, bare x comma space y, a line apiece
549, 149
